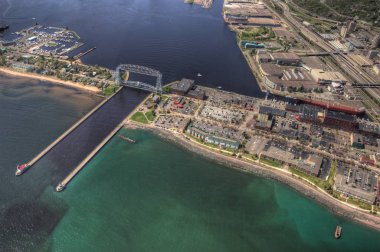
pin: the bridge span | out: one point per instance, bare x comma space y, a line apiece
123, 69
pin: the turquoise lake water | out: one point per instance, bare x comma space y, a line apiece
156, 196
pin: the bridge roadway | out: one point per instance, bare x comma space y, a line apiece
68, 153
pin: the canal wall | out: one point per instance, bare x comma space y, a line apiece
71, 129
82, 164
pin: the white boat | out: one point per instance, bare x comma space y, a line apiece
199, 75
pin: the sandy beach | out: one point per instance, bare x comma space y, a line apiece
49, 79
335, 206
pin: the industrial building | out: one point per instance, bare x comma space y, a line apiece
369, 129
264, 122
286, 59
339, 120
279, 58
271, 111
182, 87
196, 93
249, 14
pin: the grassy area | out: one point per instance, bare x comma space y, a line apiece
359, 203
109, 90
328, 186
319, 182
167, 89
341, 10
262, 33
139, 117
150, 115
331, 179
271, 162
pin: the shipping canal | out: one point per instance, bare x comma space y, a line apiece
153, 190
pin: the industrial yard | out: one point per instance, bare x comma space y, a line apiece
336, 67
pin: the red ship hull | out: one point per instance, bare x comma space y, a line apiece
336, 107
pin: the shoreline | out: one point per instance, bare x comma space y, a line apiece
303, 187
8, 71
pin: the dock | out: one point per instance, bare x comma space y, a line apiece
79, 55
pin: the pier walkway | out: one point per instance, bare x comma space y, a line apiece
79, 144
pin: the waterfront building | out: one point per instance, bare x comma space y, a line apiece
223, 142
196, 94
286, 59
205, 136
312, 165
182, 87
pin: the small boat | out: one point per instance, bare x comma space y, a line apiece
219, 87
199, 75
338, 232
21, 169
60, 187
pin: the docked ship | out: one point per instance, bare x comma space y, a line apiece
3, 27
338, 232
334, 106
21, 169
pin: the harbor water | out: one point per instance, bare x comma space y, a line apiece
178, 39
151, 195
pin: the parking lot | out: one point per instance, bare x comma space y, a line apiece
172, 122
223, 115
356, 182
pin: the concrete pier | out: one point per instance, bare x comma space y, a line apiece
67, 132
82, 164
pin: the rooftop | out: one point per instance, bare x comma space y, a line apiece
184, 85
285, 56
